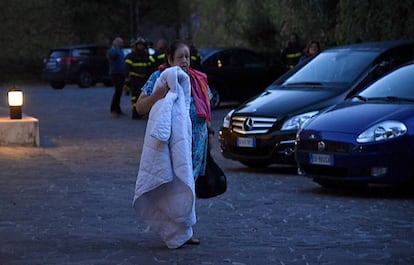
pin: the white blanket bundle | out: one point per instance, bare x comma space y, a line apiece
164, 190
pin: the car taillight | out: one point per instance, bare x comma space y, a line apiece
68, 60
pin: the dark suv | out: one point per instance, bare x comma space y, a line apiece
84, 65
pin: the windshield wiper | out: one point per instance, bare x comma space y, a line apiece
391, 99
360, 98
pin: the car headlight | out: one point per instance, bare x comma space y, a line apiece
382, 131
227, 119
296, 121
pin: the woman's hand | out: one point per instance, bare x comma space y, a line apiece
144, 102
160, 92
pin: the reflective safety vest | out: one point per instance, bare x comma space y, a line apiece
137, 68
195, 58
159, 58
292, 59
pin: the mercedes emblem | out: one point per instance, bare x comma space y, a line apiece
321, 146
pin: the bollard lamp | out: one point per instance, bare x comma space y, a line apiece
15, 97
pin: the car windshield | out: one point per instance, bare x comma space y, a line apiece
59, 53
396, 86
337, 67
81, 52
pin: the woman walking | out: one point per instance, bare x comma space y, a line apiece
177, 98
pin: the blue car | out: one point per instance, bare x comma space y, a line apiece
367, 139
262, 130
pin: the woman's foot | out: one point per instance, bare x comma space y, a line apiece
191, 241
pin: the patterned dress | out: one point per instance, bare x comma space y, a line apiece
199, 129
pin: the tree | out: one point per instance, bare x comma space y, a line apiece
374, 20
31, 27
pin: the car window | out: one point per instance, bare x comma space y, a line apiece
126, 51
211, 62
235, 59
251, 59
393, 58
203, 52
339, 66
397, 84
81, 52
219, 60
59, 53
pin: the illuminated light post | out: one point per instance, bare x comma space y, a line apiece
15, 97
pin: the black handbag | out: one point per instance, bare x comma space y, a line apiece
213, 183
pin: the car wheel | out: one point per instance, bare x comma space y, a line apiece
85, 79
57, 84
215, 100
255, 164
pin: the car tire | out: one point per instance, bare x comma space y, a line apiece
255, 164
215, 100
85, 79
57, 84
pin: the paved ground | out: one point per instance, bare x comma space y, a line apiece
69, 201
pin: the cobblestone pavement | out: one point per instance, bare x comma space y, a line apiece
69, 201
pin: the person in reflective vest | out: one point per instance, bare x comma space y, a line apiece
195, 56
137, 70
293, 51
159, 55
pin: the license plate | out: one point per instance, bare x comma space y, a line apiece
246, 142
321, 159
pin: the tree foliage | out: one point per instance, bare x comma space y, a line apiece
374, 20
30, 27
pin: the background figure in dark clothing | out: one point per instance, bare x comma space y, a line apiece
293, 51
159, 54
116, 70
137, 70
195, 55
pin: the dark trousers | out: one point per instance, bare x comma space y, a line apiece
118, 82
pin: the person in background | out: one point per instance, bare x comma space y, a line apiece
171, 199
127, 88
150, 47
159, 54
116, 60
312, 48
137, 71
293, 51
195, 55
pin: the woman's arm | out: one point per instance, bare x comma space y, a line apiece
145, 102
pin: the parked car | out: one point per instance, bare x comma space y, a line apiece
368, 139
126, 51
262, 131
84, 65
236, 74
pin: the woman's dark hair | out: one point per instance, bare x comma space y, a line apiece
313, 42
172, 47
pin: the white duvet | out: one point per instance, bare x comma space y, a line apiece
164, 190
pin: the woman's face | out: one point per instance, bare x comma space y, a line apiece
313, 48
181, 58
